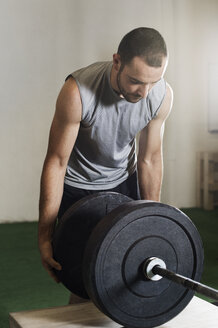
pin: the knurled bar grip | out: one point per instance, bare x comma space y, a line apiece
186, 282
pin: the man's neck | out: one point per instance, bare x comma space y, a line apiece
113, 81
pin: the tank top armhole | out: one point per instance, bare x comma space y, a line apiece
79, 88
161, 101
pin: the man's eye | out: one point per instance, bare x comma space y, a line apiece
134, 82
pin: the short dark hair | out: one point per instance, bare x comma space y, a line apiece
144, 42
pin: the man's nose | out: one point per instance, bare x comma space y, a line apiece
144, 90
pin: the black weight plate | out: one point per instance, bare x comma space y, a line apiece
116, 251
73, 231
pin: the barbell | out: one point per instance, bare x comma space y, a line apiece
140, 262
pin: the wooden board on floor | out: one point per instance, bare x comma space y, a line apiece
198, 314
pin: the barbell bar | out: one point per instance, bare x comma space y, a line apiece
155, 269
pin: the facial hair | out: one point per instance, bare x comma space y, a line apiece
124, 94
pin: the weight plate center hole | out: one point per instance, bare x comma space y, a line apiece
149, 265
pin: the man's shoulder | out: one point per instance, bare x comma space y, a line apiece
91, 70
90, 81
158, 89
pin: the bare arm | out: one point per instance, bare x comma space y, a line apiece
150, 159
63, 133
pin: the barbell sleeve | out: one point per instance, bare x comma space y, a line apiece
186, 282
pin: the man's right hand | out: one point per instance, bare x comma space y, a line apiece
48, 261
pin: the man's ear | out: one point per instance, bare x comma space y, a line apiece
116, 62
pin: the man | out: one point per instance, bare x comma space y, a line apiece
99, 111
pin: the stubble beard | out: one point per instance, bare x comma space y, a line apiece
129, 97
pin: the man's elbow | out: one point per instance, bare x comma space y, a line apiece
144, 165
149, 162
56, 161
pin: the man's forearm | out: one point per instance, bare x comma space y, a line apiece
150, 179
50, 197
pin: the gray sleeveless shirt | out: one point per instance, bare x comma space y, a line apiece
104, 152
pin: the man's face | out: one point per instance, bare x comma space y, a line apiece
136, 79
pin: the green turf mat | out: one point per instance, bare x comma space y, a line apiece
207, 225
24, 284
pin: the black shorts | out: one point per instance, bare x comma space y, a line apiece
71, 194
